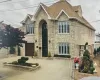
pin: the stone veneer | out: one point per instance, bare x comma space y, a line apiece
79, 35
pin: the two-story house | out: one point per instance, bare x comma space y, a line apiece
59, 29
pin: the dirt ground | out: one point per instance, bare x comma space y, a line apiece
79, 75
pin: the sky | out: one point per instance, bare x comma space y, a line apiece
12, 12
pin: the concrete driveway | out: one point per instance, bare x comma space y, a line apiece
56, 69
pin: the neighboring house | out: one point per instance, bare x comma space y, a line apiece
60, 29
97, 41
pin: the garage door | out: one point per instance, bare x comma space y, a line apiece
29, 49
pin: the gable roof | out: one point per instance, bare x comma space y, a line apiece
55, 9
28, 16
76, 7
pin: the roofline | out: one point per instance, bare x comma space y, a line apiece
26, 18
82, 22
62, 11
40, 5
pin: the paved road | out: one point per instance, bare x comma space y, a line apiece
56, 69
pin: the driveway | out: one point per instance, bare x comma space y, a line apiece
56, 69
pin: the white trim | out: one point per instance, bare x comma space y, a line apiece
62, 11
40, 5
28, 16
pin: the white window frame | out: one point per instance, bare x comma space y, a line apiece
61, 48
61, 27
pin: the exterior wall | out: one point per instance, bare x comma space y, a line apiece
79, 35
38, 31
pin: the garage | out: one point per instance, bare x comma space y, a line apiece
29, 49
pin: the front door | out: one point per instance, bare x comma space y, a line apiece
44, 40
29, 49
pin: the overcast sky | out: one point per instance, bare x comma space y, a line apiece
90, 10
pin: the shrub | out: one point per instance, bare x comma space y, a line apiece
12, 50
65, 56
20, 61
92, 70
24, 58
87, 63
87, 53
85, 70
49, 54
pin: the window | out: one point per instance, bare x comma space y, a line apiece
63, 27
63, 48
30, 28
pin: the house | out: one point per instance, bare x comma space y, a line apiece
97, 41
59, 29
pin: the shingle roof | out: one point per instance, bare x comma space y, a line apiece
56, 8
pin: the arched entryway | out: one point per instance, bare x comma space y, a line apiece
44, 36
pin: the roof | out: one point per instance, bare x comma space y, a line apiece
76, 7
28, 16
55, 9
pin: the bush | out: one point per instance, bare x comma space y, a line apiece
22, 60
92, 70
87, 53
12, 50
65, 56
85, 70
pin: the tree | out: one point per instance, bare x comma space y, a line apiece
11, 37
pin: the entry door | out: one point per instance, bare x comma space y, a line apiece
29, 49
44, 40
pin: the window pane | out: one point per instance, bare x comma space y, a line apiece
65, 49
59, 49
59, 26
62, 26
67, 28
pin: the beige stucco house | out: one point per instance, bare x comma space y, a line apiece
59, 29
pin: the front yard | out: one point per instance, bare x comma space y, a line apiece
56, 69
